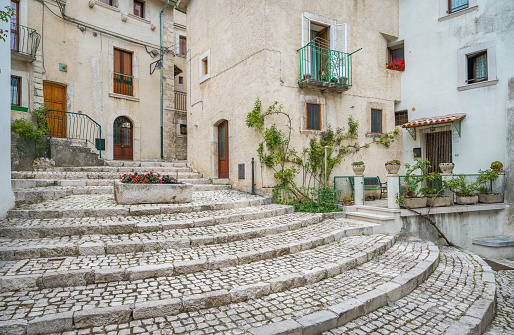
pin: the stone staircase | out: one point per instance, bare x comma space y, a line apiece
226, 263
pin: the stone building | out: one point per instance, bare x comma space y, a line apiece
298, 53
98, 61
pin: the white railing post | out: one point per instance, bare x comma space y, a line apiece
393, 188
359, 190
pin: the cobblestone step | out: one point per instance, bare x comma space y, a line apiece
503, 322
88, 175
457, 299
124, 169
30, 183
15, 249
77, 206
40, 194
146, 163
383, 279
39, 228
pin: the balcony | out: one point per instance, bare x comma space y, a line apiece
180, 101
324, 68
123, 84
24, 41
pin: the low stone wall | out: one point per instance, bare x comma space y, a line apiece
130, 194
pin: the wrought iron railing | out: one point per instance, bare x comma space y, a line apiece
180, 101
123, 84
74, 126
325, 65
24, 40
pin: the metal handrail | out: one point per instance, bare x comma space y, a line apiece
180, 101
123, 83
327, 65
76, 126
24, 40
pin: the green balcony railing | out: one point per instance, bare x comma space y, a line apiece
325, 65
75, 126
24, 40
180, 101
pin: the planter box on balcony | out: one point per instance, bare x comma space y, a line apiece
470, 200
490, 198
439, 201
130, 194
415, 202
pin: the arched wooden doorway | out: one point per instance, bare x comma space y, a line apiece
123, 138
223, 149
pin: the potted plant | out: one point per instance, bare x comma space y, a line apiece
497, 166
465, 191
446, 167
347, 200
414, 198
358, 168
435, 197
393, 166
485, 194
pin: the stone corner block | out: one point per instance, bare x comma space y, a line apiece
246, 292
348, 310
317, 323
372, 300
154, 309
13, 327
97, 317
15, 283
288, 327
393, 291
206, 300
52, 323
286, 282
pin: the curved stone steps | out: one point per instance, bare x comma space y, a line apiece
16, 228
385, 278
104, 268
170, 238
457, 299
77, 206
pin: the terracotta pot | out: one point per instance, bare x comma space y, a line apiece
415, 202
392, 168
410, 194
446, 167
358, 169
490, 198
439, 201
347, 202
469, 200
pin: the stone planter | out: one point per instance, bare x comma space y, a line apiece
392, 168
130, 194
415, 202
439, 201
446, 167
359, 169
471, 200
490, 198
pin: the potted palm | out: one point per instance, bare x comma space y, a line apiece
485, 194
465, 191
393, 166
358, 168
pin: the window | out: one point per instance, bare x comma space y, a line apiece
477, 67
313, 116
15, 40
181, 80
401, 117
139, 9
107, 2
123, 79
15, 91
205, 66
182, 45
396, 53
456, 5
376, 121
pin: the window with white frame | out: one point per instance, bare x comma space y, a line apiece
452, 8
205, 66
477, 66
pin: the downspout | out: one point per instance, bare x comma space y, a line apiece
162, 98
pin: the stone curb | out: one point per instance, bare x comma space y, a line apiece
90, 175
481, 312
101, 248
52, 279
42, 231
34, 183
132, 210
97, 317
340, 314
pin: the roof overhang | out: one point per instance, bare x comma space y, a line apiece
455, 119
182, 5
177, 70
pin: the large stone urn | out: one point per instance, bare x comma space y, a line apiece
446, 168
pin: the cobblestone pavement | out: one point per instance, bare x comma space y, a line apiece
432, 307
38, 266
107, 201
237, 318
503, 322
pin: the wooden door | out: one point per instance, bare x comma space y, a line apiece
123, 139
55, 98
223, 150
323, 55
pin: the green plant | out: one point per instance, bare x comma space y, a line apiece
394, 161
497, 166
486, 177
5, 15
36, 135
413, 181
483, 190
358, 163
461, 187
429, 191
349, 198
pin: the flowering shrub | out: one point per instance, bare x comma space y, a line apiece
397, 65
148, 178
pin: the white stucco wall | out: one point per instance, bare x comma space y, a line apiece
431, 84
6, 195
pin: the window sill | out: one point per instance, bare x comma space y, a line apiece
101, 4
458, 13
374, 134
311, 132
121, 96
477, 85
135, 17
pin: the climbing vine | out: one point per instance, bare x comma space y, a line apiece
274, 152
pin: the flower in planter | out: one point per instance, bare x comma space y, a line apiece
396, 65
148, 178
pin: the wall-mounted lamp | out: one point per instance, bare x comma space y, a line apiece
157, 65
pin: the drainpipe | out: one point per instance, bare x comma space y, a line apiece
162, 98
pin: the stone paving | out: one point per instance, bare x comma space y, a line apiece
237, 318
436, 304
503, 323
